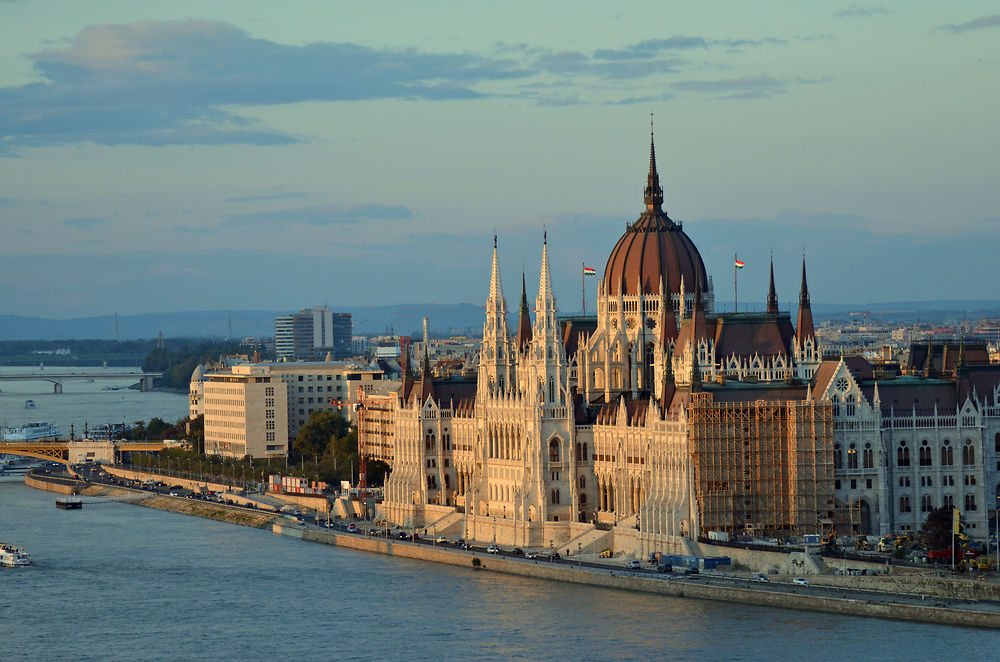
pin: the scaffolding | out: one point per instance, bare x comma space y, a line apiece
761, 468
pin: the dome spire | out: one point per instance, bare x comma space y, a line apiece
653, 195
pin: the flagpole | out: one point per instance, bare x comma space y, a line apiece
583, 288
736, 287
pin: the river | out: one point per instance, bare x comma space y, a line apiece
118, 581
82, 401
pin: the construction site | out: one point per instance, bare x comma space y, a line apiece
762, 468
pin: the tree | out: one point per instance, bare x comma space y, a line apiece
937, 528
321, 434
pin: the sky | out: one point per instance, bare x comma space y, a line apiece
272, 156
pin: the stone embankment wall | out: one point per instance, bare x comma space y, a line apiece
677, 588
51, 484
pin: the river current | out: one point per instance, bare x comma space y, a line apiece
122, 582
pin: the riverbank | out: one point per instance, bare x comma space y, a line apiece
685, 587
904, 604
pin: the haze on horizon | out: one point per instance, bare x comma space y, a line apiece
234, 155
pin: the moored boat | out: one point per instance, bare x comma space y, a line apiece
12, 556
31, 432
29, 404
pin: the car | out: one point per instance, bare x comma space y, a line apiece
402, 535
605, 554
493, 549
352, 528
554, 556
758, 577
440, 540
633, 565
464, 545
517, 551
691, 571
174, 494
374, 532
799, 581
531, 555
459, 542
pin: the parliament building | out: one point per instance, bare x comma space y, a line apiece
660, 421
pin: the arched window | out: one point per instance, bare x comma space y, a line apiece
552, 390
925, 454
869, 457
996, 443
949, 501
947, 454
429, 441
584, 452
852, 457
970, 502
968, 453
902, 455
904, 504
838, 459
583, 483
579, 452
836, 404
554, 450
555, 497
926, 505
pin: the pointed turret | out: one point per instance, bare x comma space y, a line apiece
426, 379
495, 360
653, 195
523, 320
804, 329
772, 296
929, 361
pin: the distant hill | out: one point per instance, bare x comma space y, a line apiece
406, 319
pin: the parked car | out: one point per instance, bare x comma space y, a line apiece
517, 551
492, 549
531, 555
440, 540
633, 565
758, 577
352, 528
798, 581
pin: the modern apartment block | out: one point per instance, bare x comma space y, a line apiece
311, 334
246, 412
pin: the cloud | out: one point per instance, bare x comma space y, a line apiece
272, 196
991, 21
747, 87
651, 47
189, 229
84, 223
159, 83
320, 215
859, 11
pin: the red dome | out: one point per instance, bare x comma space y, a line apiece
652, 248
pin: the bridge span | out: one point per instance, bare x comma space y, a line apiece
146, 380
79, 451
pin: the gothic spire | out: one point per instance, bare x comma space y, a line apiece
804, 328
772, 297
653, 195
523, 319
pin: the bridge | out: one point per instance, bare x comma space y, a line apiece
146, 379
77, 452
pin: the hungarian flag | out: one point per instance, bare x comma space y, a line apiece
587, 271
739, 264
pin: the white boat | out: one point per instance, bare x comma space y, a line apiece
31, 432
29, 404
12, 557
